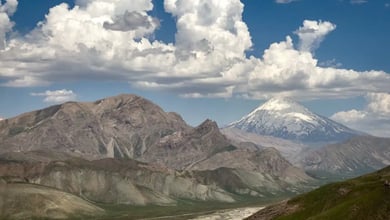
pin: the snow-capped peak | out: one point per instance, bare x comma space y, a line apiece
285, 118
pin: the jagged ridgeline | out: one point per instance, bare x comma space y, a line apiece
125, 150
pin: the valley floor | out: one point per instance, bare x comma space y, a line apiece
231, 214
189, 210
225, 214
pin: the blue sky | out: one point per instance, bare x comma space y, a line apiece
202, 59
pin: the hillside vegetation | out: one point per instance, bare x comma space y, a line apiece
365, 197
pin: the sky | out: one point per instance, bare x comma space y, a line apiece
201, 58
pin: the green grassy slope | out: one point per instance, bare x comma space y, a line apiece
364, 198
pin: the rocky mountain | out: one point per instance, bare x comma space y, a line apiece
285, 118
365, 197
354, 157
123, 126
127, 150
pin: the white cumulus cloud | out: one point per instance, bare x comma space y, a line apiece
210, 26
57, 96
6, 10
379, 103
312, 33
9, 7
112, 39
285, 70
374, 119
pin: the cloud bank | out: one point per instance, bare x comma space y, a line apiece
374, 119
113, 39
57, 96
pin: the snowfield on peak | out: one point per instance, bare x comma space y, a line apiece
285, 118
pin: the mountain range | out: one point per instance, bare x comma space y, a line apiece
126, 150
